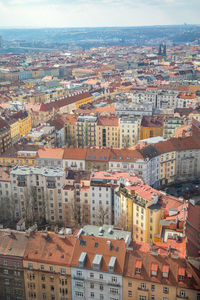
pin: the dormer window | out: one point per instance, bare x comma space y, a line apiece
111, 265
138, 266
154, 269
181, 274
165, 271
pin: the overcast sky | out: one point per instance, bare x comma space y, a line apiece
92, 13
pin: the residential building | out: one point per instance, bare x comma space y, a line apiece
13, 244
107, 131
50, 157
156, 275
129, 131
151, 127
97, 268
5, 136
86, 131
37, 193
171, 125
46, 263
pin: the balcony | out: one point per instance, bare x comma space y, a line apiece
51, 185
21, 183
114, 283
76, 277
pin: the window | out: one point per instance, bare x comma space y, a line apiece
43, 277
153, 287
165, 298
91, 275
143, 286
114, 291
101, 297
92, 295
63, 271
43, 296
30, 266
137, 270
129, 283
42, 267
79, 283
165, 290
101, 287
51, 268
6, 282
100, 276
143, 297
182, 293
5, 272
152, 297
129, 293
79, 273
91, 285
114, 279
79, 294
43, 286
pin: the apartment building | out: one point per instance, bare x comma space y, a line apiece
151, 127
16, 156
37, 193
107, 131
5, 136
13, 244
76, 198
97, 268
129, 129
159, 274
6, 211
50, 157
74, 158
46, 264
143, 209
86, 131
171, 125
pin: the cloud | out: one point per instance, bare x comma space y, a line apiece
83, 13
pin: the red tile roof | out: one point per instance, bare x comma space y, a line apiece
117, 248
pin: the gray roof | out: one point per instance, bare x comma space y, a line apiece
106, 231
37, 171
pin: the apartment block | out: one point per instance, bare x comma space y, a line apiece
37, 193
46, 264
97, 268
13, 245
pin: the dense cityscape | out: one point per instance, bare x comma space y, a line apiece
100, 167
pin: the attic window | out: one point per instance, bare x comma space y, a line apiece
138, 266
165, 271
154, 269
181, 273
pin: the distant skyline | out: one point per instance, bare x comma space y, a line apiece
97, 13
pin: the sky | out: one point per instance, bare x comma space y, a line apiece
97, 13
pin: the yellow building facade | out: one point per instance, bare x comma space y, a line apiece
25, 125
167, 167
22, 158
46, 281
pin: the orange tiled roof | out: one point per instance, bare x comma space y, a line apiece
50, 248
56, 153
117, 249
